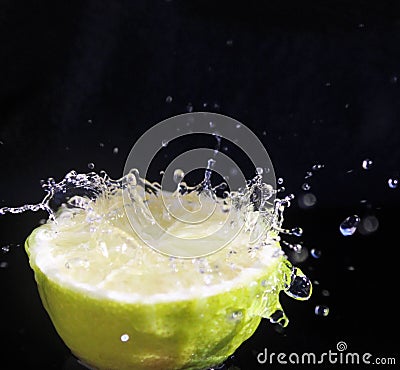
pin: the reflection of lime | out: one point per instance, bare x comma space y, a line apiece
118, 304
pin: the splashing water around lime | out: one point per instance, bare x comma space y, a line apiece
119, 304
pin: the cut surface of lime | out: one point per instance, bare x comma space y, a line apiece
119, 304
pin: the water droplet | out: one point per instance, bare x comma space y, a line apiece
124, 337
308, 174
350, 268
299, 254
394, 79
349, 225
238, 125
347, 106
307, 200
393, 183
306, 186
90, 121
316, 253
178, 176
91, 166
236, 315
264, 133
101, 145
327, 84
3, 264
321, 310
115, 150
164, 143
297, 231
259, 171
5, 248
280, 180
189, 107
325, 293
368, 225
300, 285
278, 317
229, 42
367, 164
317, 167
168, 99
211, 124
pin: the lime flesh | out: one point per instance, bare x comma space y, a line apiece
114, 314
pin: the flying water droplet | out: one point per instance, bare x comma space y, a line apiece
168, 99
393, 183
317, 167
299, 254
325, 293
189, 107
307, 200
296, 231
91, 166
207, 173
115, 150
300, 286
280, 181
316, 253
5, 248
367, 164
3, 264
164, 143
368, 225
178, 176
306, 186
349, 225
321, 310
259, 170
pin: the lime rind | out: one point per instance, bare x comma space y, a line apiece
186, 334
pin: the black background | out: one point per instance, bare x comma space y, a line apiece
321, 79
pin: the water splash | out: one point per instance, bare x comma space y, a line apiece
83, 190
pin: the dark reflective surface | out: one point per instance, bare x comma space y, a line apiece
317, 84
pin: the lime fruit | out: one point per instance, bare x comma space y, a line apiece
118, 304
